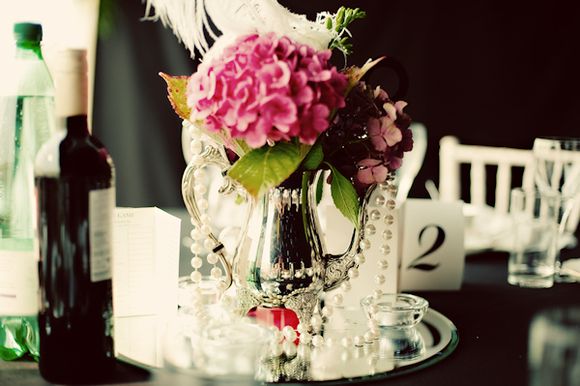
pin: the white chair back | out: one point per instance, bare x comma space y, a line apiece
452, 154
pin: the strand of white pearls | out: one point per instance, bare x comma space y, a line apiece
200, 240
382, 209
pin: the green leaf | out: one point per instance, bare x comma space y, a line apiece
266, 167
176, 86
319, 188
314, 157
344, 196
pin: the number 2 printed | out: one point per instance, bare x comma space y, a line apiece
439, 240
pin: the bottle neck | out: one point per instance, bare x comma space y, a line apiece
77, 126
28, 49
71, 94
70, 75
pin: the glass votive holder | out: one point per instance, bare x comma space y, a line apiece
205, 292
233, 348
220, 353
397, 316
554, 347
395, 310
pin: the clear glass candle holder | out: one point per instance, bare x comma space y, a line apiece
395, 310
397, 315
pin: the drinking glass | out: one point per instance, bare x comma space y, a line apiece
557, 169
534, 215
554, 347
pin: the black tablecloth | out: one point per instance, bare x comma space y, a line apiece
491, 316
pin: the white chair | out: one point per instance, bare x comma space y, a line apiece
488, 222
452, 154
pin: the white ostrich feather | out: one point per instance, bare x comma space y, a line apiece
199, 23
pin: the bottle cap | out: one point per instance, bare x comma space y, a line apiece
27, 31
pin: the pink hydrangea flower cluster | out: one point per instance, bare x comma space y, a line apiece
368, 137
389, 140
266, 88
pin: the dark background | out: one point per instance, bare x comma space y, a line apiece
489, 72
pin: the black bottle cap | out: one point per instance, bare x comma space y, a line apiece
28, 31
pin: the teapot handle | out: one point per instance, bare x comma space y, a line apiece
338, 266
211, 155
402, 76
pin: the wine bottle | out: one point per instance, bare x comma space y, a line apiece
76, 199
26, 122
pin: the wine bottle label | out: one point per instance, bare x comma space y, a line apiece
101, 206
18, 283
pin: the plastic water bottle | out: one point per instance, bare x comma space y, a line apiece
26, 122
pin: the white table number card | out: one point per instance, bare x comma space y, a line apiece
432, 253
145, 276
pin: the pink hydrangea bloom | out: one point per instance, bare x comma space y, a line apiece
383, 131
267, 88
371, 171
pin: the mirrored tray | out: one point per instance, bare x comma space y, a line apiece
331, 364
337, 364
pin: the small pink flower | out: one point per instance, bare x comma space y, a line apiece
380, 94
371, 171
300, 92
395, 163
383, 132
280, 111
285, 48
400, 105
256, 135
274, 75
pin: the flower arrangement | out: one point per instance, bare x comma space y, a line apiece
282, 107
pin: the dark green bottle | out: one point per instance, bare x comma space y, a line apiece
76, 199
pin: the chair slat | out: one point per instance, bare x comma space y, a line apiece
478, 183
556, 176
448, 169
503, 187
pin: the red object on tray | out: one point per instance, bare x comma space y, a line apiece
277, 316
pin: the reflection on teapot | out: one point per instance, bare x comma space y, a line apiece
280, 260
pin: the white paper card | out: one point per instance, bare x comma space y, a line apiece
140, 338
432, 256
145, 277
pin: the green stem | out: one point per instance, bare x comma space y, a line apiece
304, 201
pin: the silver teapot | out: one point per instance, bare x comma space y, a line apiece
280, 260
